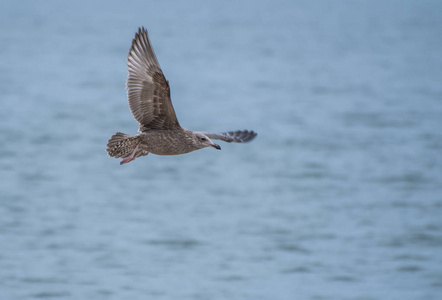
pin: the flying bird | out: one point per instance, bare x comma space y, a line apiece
149, 101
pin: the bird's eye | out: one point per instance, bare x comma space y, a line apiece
203, 139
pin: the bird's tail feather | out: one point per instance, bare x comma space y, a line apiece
122, 145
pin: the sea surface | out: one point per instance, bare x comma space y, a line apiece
339, 196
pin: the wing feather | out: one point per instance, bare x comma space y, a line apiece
239, 136
147, 89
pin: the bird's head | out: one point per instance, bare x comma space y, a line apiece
202, 141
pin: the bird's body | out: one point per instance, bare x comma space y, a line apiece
160, 142
149, 101
168, 142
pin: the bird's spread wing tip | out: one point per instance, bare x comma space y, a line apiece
239, 136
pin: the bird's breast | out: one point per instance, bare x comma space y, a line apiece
166, 142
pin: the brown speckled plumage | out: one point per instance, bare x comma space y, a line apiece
149, 101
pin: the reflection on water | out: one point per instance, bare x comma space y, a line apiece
337, 198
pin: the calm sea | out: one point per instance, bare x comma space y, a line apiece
339, 197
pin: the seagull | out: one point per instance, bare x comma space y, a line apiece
149, 101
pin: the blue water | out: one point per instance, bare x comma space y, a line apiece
339, 197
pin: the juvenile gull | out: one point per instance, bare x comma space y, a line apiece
149, 101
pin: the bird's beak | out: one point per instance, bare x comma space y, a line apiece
216, 146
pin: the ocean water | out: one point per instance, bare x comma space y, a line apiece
339, 197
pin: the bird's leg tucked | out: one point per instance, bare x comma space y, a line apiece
131, 157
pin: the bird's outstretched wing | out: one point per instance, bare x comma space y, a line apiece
239, 136
147, 88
